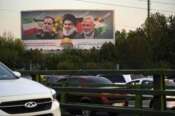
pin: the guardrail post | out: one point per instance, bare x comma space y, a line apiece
62, 95
38, 78
138, 99
34, 77
159, 99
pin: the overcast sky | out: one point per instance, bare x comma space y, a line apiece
129, 14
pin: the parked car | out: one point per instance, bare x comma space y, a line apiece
148, 83
141, 81
100, 98
117, 79
24, 97
170, 100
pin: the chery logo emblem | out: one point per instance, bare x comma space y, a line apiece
30, 104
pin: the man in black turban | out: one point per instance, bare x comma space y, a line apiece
69, 26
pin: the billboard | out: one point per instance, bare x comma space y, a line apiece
57, 29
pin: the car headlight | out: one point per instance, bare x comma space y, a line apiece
54, 95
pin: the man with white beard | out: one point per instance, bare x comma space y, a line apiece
69, 28
88, 28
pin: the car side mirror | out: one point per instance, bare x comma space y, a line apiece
18, 74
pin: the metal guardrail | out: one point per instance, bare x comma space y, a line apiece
102, 71
136, 111
159, 90
113, 90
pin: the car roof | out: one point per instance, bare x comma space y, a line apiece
84, 76
87, 77
74, 76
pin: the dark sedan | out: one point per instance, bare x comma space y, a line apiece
98, 98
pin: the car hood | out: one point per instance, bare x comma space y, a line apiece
21, 86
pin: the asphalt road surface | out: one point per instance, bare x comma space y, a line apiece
99, 114
130, 104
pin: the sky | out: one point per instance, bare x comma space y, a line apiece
129, 14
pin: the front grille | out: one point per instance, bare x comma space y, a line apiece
45, 115
16, 107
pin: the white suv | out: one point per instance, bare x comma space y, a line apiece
23, 97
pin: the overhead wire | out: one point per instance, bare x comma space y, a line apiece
109, 4
160, 2
121, 5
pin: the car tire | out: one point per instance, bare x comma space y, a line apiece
87, 112
113, 114
84, 112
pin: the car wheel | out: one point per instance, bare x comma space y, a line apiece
85, 112
113, 114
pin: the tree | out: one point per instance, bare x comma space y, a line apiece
11, 51
133, 49
171, 41
108, 53
160, 39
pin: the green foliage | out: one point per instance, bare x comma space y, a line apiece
65, 65
11, 51
162, 39
108, 53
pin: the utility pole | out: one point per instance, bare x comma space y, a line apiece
148, 18
148, 8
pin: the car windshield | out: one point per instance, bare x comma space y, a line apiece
5, 73
117, 78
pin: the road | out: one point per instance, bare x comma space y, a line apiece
130, 104
100, 114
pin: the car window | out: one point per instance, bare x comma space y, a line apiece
116, 78
62, 82
170, 82
5, 73
54, 78
73, 81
